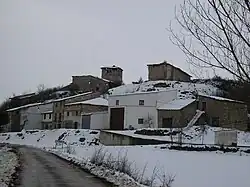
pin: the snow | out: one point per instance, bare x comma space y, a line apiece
97, 101
8, 162
191, 169
47, 112
176, 104
219, 98
185, 90
24, 106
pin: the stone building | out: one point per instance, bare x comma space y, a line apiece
111, 77
59, 106
211, 110
73, 111
166, 71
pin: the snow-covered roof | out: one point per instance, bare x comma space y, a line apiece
47, 112
219, 98
177, 104
24, 106
73, 96
111, 67
97, 101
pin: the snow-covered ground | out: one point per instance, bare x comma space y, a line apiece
185, 89
189, 169
8, 162
192, 135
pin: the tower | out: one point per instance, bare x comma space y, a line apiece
113, 73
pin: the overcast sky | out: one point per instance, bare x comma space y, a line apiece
49, 41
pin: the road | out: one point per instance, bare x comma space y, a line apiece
42, 169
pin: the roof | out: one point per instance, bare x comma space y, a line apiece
177, 104
47, 112
219, 98
23, 96
165, 62
73, 96
23, 107
141, 92
97, 101
106, 80
111, 67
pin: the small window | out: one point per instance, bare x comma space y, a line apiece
141, 102
56, 104
117, 102
44, 116
67, 113
140, 120
49, 116
76, 113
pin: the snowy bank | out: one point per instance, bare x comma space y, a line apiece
8, 163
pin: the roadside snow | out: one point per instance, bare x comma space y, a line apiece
8, 162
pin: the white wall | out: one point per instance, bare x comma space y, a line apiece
99, 120
33, 116
132, 109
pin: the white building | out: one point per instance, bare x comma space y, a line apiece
137, 110
30, 116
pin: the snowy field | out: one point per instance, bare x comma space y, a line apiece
192, 135
189, 169
8, 162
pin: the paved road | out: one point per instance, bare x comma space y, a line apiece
41, 169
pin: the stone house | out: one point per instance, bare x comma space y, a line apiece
111, 77
211, 110
166, 71
73, 111
59, 106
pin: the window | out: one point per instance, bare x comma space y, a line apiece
55, 117
44, 116
141, 102
117, 102
55, 104
60, 116
140, 120
204, 106
167, 122
49, 116
76, 113
67, 113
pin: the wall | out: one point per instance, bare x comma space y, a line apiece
90, 83
230, 114
112, 74
14, 121
31, 117
225, 137
133, 110
180, 117
165, 71
99, 120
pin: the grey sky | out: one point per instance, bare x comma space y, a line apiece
49, 41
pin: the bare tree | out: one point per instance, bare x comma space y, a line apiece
40, 88
215, 34
148, 121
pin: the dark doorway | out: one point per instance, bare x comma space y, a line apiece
117, 118
167, 122
75, 125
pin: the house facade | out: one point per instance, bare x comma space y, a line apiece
137, 110
73, 112
47, 119
166, 71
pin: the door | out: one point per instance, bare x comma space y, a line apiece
117, 118
167, 122
86, 121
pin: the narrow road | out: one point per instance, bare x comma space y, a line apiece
41, 169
